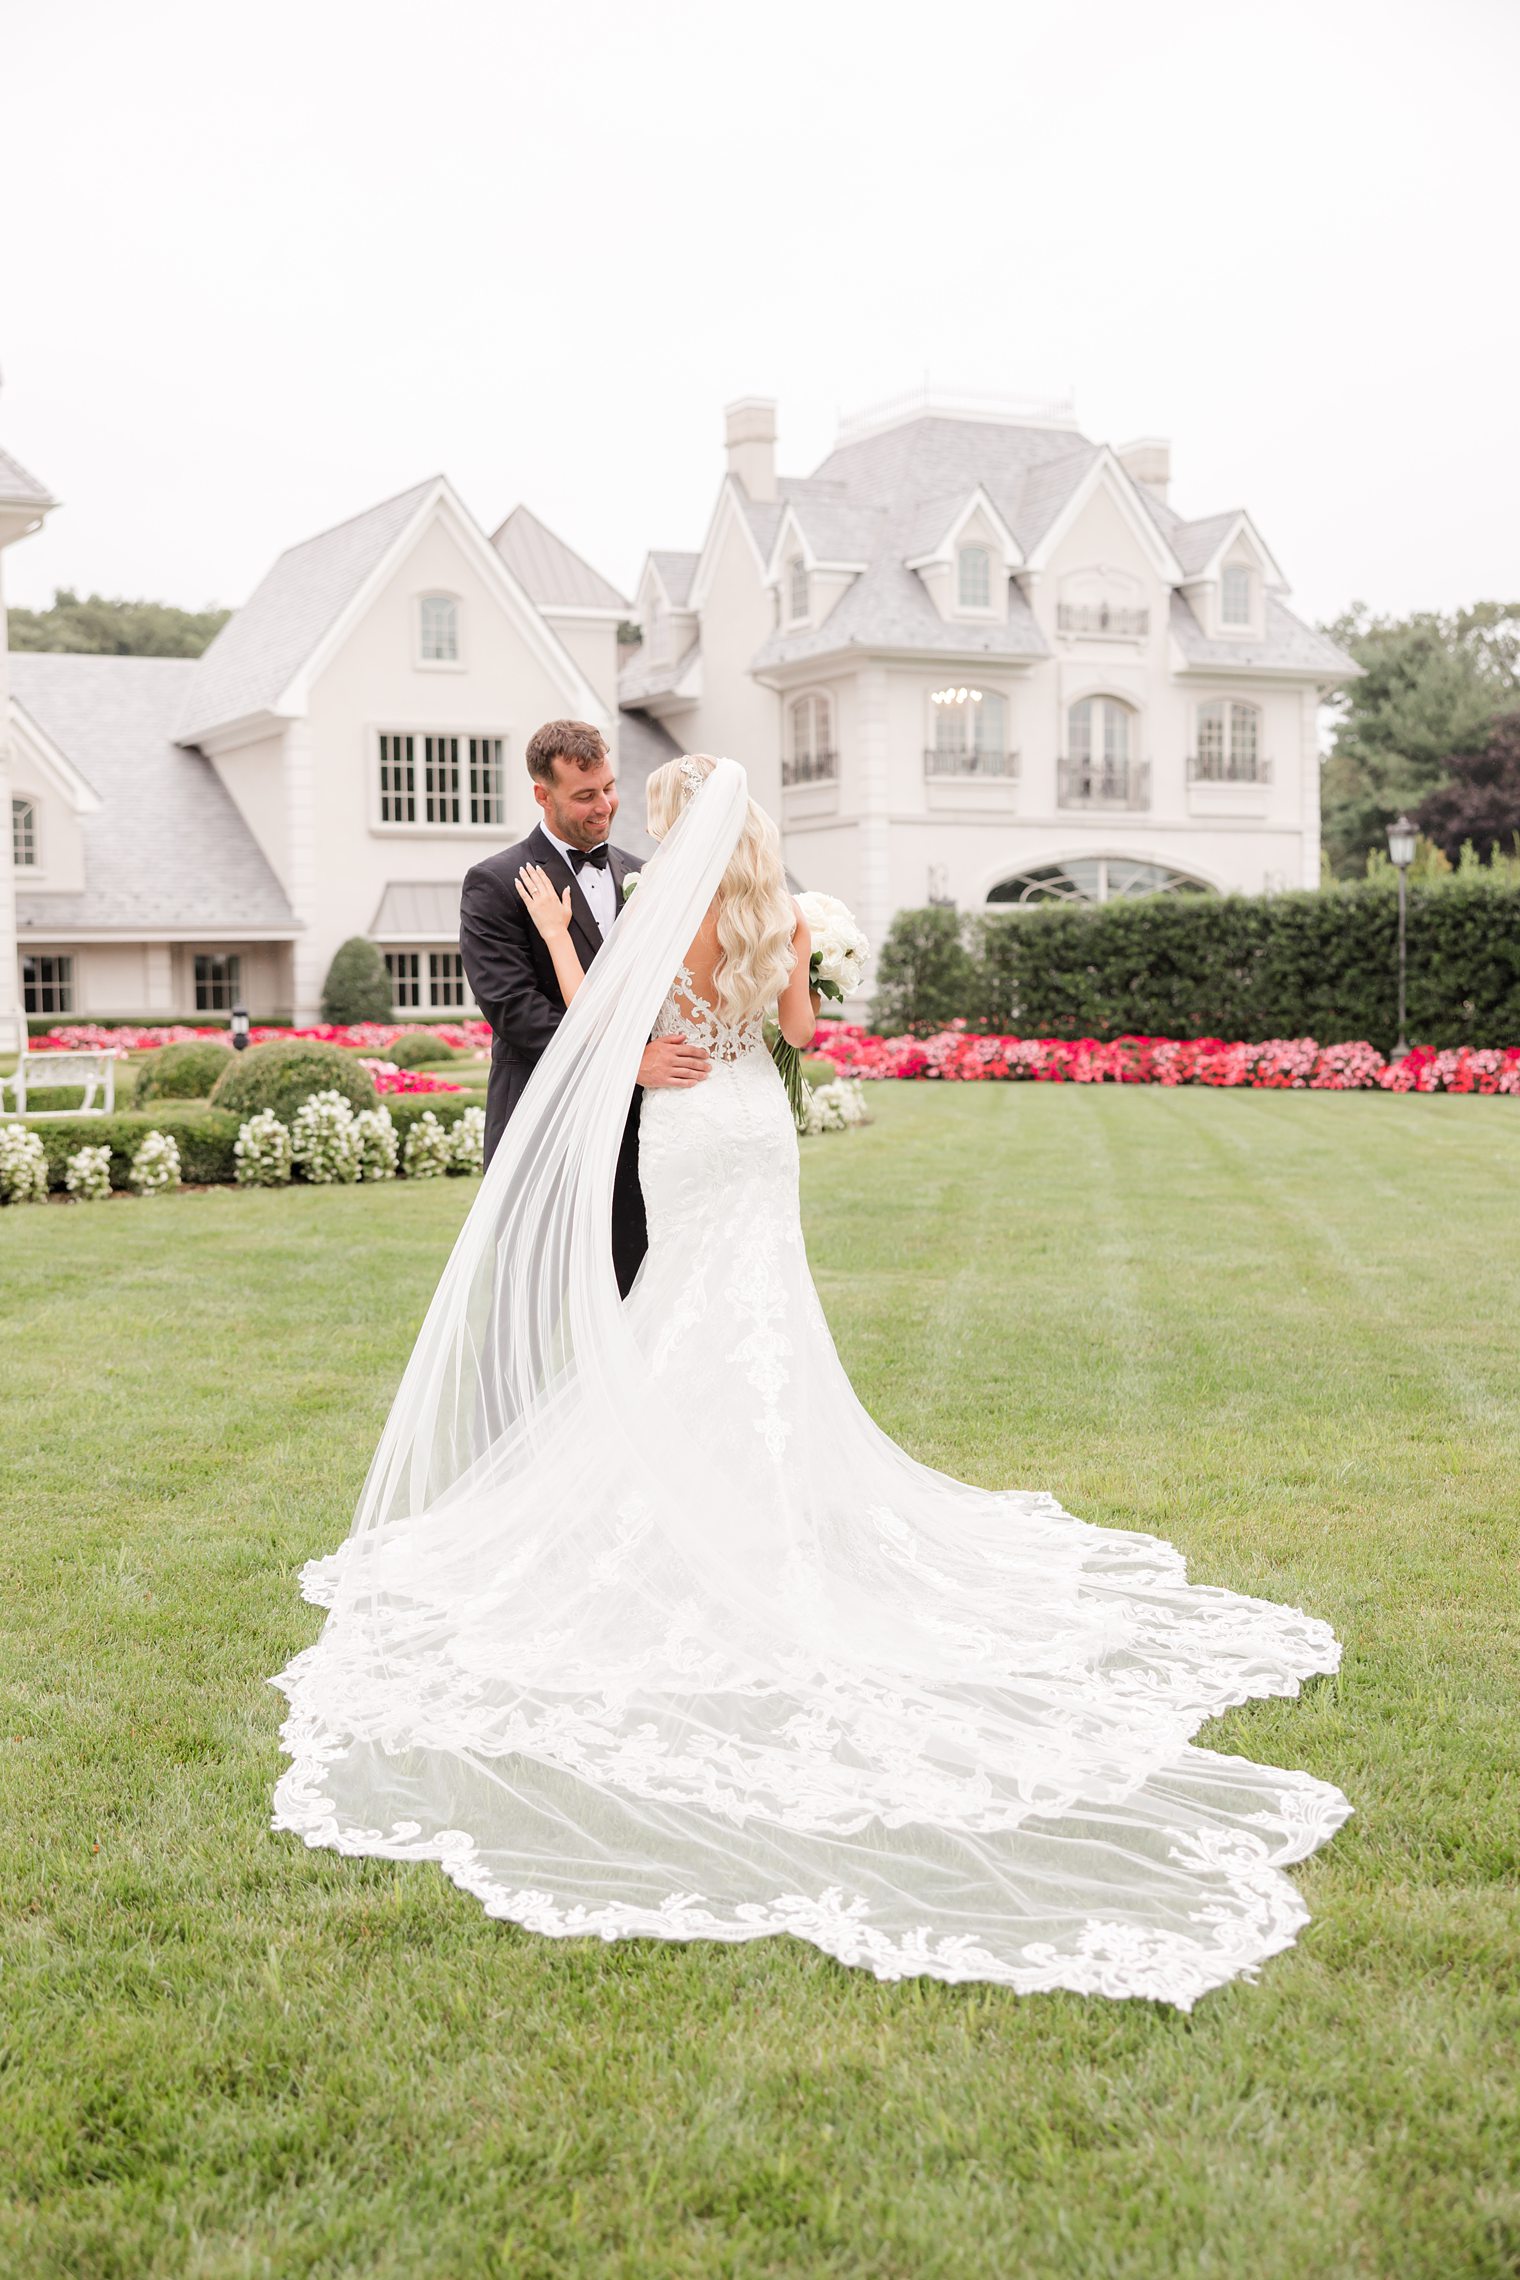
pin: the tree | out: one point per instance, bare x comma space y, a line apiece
924, 974
98, 627
357, 987
1432, 689
1480, 798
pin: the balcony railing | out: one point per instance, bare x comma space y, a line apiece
1229, 768
1002, 767
811, 768
1101, 617
1103, 783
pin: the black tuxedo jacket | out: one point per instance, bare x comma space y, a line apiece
512, 978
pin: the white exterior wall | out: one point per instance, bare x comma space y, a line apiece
254, 775
735, 717
12, 1019
343, 858
592, 642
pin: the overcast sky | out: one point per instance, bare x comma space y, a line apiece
264, 264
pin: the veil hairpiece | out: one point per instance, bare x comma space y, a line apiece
690, 774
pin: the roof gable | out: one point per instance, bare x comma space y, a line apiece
552, 574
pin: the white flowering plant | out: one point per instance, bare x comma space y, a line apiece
836, 1106
87, 1174
836, 970
155, 1166
379, 1149
467, 1142
261, 1151
23, 1165
428, 1151
323, 1140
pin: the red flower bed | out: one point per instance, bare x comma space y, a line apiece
389, 1079
365, 1036
1290, 1064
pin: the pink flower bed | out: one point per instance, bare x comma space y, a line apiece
364, 1036
389, 1079
1287, 1064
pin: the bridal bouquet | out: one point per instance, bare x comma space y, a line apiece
837, 970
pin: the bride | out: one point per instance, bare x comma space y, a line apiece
643, 1627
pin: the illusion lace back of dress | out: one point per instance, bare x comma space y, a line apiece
706, 1655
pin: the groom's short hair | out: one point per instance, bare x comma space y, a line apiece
573, 740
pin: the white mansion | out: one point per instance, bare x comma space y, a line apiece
974, 658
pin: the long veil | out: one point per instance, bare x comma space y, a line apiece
644, 1627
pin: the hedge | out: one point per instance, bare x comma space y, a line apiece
205, 1136
182, 1072
1296, 965
287, 1072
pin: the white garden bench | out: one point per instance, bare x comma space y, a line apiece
94, 1070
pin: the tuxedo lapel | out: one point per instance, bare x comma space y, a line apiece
583, 927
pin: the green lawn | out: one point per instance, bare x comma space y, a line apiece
1281, 1329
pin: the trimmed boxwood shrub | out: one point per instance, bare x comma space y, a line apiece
419, 1049
924, 976
182, 1072
1236, 966
204, 1136
282, 1075
357, 987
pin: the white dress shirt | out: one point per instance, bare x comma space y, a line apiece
596, 885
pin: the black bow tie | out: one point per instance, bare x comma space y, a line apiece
581, 856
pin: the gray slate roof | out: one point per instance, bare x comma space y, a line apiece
166, 848
1290, 645
19, 488
644, 677
676, 574
551, 573
643, 746
264, 644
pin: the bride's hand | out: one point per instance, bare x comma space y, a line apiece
549, 912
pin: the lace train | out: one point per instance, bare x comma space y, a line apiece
727, 1663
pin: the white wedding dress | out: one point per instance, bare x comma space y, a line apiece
646, 1629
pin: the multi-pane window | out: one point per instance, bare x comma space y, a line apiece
968, 722
405, 970
438, 631
218, 980
1235, 594
1229, 743
973, 578
441, 779
446, 977
47, 982
1100, 729
810, 734
797, 588
24, 835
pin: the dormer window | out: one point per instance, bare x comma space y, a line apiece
973, 578
24, 835
438, 629
1235, 595
796, 589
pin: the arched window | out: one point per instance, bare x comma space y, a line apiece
968, 733
438, 629
1100, 769
1235, 594
1093, 879
24, 835
810, 757
796, 588
973, 578
1229, 744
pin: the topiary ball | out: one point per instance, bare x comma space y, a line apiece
282, 1075
182, 1072
357, 987
418, 1049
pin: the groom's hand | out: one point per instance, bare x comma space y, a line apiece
671, 1061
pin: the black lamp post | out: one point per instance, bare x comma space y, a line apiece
1401, 843
239, 1028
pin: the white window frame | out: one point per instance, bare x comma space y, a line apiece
470, 760
1232, 713
60, 982
426, 664
798, 584
233, 982
986, 606
981, 706
1241, 570
816, 708
415, 967
25, 820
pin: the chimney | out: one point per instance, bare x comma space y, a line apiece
1149, 460
749, 432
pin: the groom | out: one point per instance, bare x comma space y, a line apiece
507, 960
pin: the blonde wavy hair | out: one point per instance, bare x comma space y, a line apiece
756, 920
